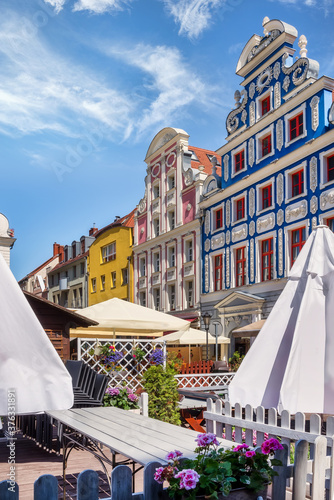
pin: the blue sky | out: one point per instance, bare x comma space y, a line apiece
86, 84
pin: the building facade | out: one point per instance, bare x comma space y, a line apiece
36, 282
277, 179
110, 264
7, 239
167, 233
68, 280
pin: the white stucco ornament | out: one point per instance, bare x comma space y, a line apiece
4, 226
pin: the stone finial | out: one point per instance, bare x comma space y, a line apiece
237, 97
201, 168
302, 45
214, 165
265, 21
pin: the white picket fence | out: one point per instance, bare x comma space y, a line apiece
314, 460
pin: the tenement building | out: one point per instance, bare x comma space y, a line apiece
167, 232
277, 180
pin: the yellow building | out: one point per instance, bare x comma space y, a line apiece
110, 265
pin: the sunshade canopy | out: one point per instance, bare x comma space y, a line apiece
191, 337
290, 364
119, 316
29, 365
250, 329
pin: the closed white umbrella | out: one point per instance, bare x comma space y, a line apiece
32, 375
290, 365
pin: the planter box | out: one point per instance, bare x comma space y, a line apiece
240, 494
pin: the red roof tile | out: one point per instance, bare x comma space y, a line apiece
127, 221
69, 261
203, 157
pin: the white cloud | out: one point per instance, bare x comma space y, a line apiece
172, 86
57, 4
40, 90
193, 16
100, 6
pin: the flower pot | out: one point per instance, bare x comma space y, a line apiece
239, 494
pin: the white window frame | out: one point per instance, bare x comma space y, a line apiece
141, 295
170, 216
287, 237
155, 186
186, 292
113, 279
233, 249
214, 254
109, 252
125, 273
258, 140
156, 227
290, 116
213, 218
92, 285
234, 199
186, 249
258, 241
171, 175
155, 293
169, 250
258, 103
288, 182
259, 187
325, 216
169, 293
103, 282
142, 266
234, 152
323, 168
156, 262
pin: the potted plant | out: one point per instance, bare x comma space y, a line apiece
237, 474
138, 354
110, 357
121, 397
157, 357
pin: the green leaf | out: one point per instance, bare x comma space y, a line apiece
245, 479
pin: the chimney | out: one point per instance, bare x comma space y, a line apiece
58, 250
93, 231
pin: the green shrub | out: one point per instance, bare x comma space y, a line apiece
235, 361
161, 387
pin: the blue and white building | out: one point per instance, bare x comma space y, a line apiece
277, 179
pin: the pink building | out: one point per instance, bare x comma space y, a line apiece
167, 234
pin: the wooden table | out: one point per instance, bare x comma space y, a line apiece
141, 439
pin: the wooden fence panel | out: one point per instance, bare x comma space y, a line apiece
300, 471
279, 482
121, 483
319, 468
9, 491
46, 486
88, 485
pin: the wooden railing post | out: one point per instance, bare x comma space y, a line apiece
152, 489
319, 468
88, 485
46, 486
300, 470
210, 424
279, 482
144, 404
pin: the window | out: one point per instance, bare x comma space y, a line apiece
156, 262
240, 266
190, 293
93, 285
266, 197
296, 126
297, 183
330, 223
171, 256
298, 237
82, 269
103, 283
142, 299
156, 227
267, 260
218, 218
109, 252
125, 276
218, 270
80, 304
142, 266
330, 168
113, 279
74, 271
266, 145
156, 191
239, 161
240, 208
265, 105
171, 181
189, 250
171, 220
74, 250
156, 298
171, 297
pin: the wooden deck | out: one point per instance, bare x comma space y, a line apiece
32, 462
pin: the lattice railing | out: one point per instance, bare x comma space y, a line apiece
128, 370
204, 380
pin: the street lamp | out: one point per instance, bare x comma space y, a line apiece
206, 317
